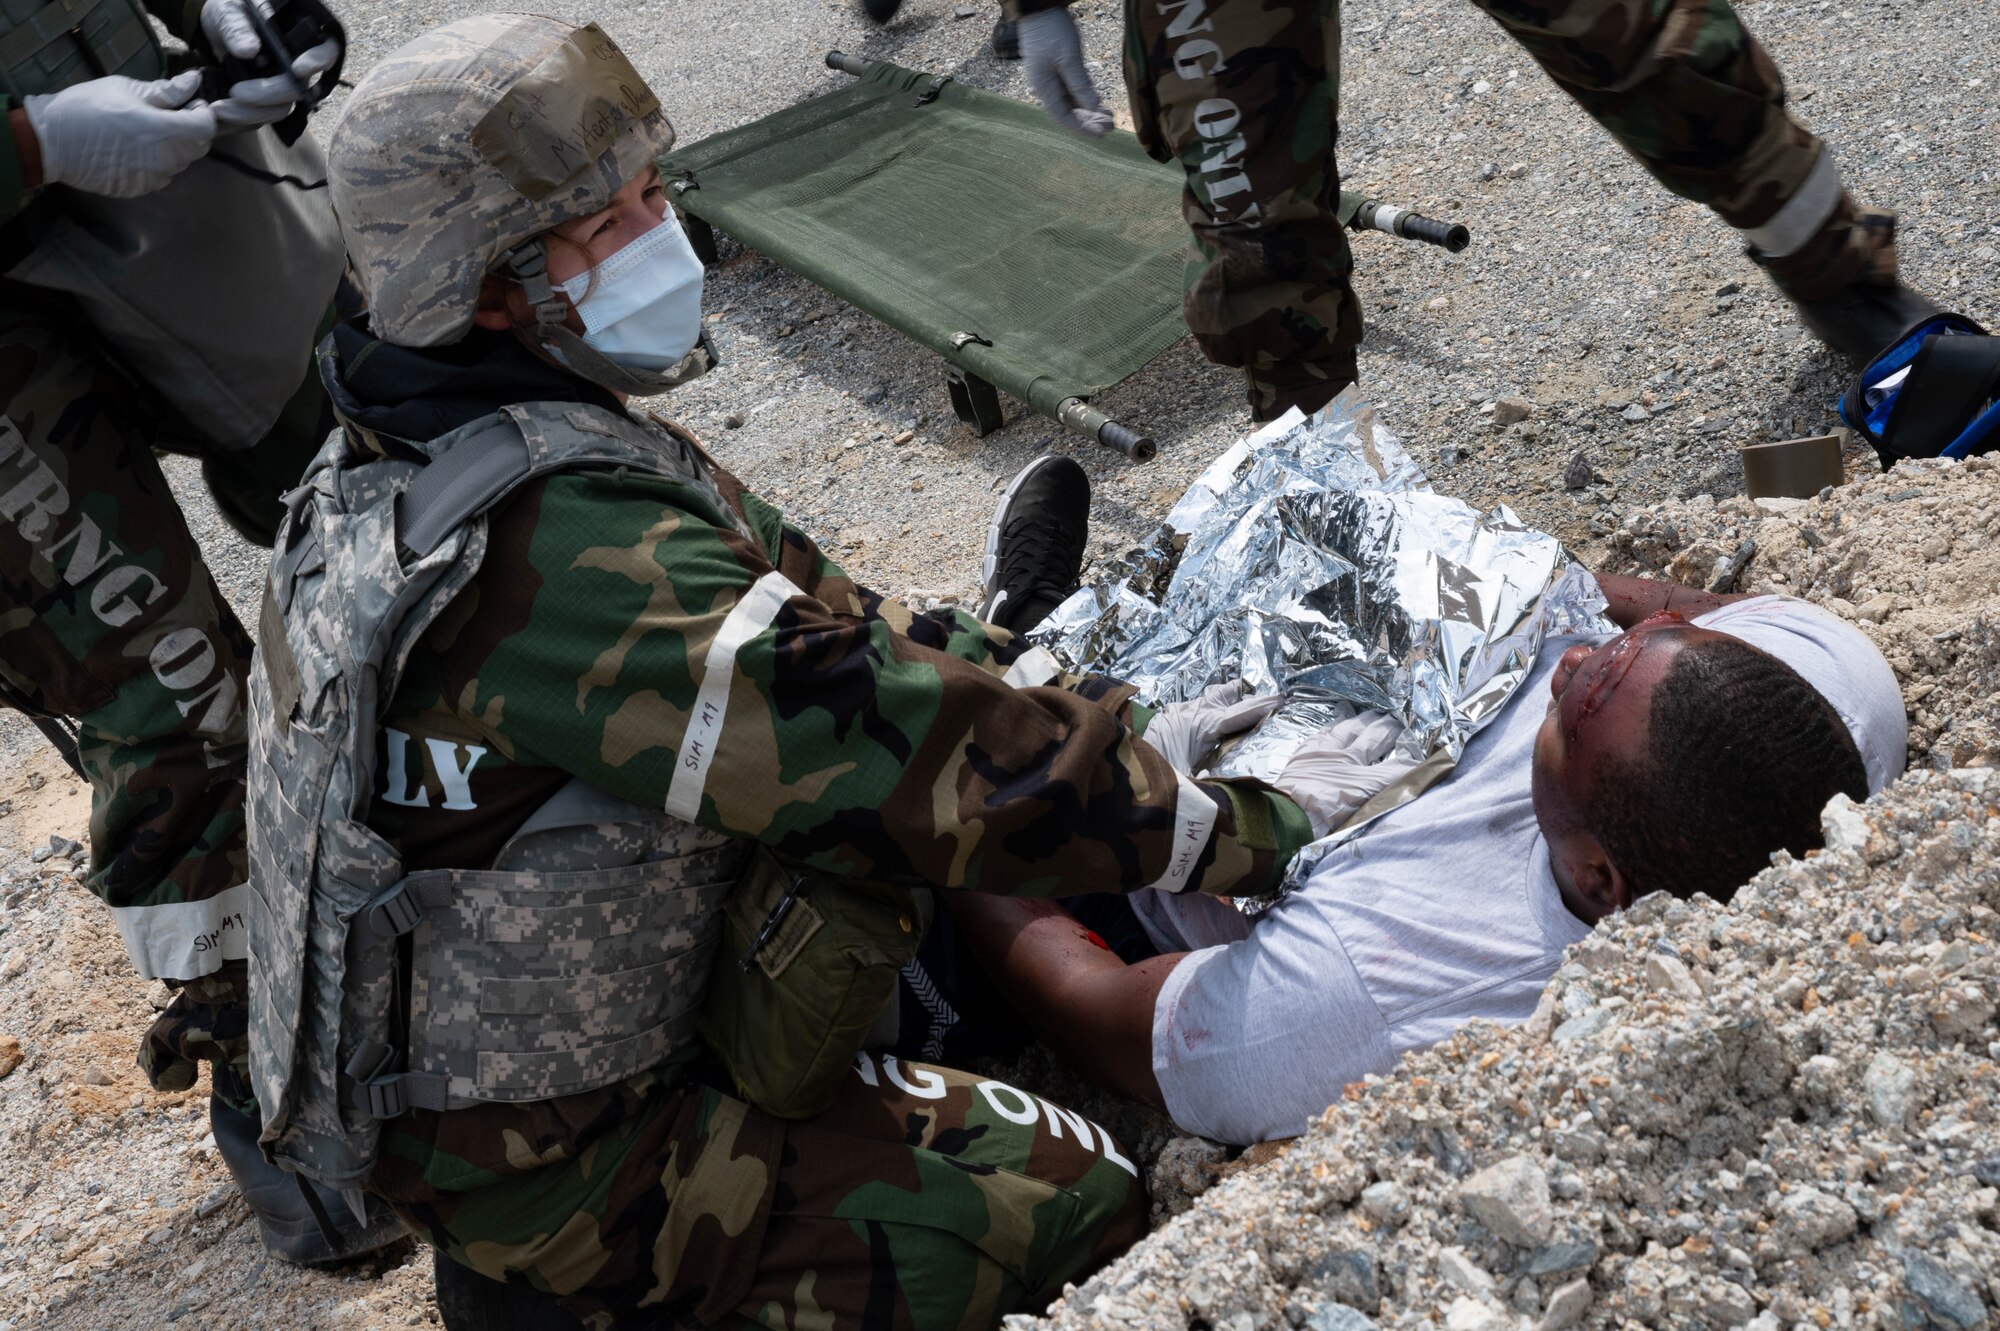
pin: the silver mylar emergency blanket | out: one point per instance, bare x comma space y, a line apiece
1314, 559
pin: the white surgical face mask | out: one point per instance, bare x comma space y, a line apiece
642, 306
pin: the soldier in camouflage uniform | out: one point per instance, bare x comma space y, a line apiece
667, 639
109, 618
1244, 94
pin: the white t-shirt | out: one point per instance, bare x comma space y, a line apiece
1439, 912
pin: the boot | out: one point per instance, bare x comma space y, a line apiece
1860, 320
1006, 40
1844, 285
301, 1222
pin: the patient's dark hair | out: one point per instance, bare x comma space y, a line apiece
1742, 756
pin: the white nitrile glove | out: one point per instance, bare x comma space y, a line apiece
1342, 767
227, 25
120, 137
1185, 733
1052, 54
266, 101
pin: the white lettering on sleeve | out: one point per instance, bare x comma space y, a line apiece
1079, 1126
185, 939
92, 551
34, 503
1024, 1111
749, 617
1194, 821
1188, 16
108, 599
930, 1086
1109, 1150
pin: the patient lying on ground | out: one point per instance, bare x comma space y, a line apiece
1674, 757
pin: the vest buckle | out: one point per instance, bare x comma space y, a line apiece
374, 1093
395, 912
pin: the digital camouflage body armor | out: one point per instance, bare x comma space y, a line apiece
578, 959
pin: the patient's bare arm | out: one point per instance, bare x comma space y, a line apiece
1082, 998
1633, 599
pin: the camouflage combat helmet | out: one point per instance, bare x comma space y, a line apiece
462, 147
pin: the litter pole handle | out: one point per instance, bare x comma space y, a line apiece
1374, 215
1136, 446
1088, 421
846, 64
1452, 236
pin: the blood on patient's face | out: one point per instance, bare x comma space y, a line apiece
1599, 712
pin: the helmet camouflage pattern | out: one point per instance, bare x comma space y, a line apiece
470, 140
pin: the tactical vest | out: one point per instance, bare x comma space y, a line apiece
46, 47
577, 959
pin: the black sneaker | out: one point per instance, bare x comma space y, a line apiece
1006, 40
1034, 549
316, 1231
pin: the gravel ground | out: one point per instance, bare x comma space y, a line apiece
1637, 336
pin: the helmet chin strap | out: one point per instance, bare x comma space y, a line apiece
529, 262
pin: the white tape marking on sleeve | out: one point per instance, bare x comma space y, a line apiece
750, 617
183, 940
1194, 820
1033, 667
1801, 217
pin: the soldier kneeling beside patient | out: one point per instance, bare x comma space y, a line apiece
559, 736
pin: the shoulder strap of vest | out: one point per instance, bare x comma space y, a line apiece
478, 470
474, 473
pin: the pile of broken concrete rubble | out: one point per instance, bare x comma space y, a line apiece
1778, 1113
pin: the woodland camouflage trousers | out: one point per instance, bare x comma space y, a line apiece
922, 1199
109, 617
1244, 94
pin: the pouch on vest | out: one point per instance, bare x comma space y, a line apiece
1934, 393
807, 962
210, 290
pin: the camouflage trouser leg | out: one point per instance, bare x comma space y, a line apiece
1244, 94
927, 1198
1690, 93
923, 1200
109, 616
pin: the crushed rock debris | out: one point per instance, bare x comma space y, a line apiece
1712, 1158
1776, 1114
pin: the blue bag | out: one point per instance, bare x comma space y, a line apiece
1934, 393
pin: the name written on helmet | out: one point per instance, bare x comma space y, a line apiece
119, 592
